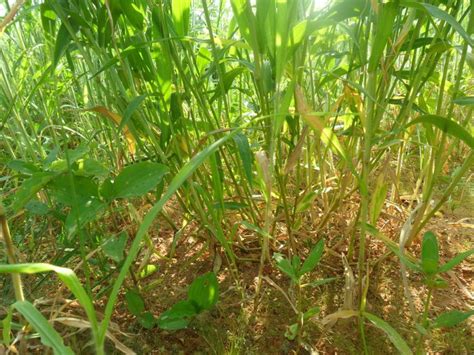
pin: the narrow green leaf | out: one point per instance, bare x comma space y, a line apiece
321, 282
446, 125
246, 21
63, 39
49, 336
245, 154
134, 13
378, 199
6, 327
464, 101
451, 319
443, 15
392, 334
67, 276
311, 312
285, 266
313, 258
455, 261
131, 108
22, 167
255, 228
429, 254
306, 202
180, 10
384, 29
404, 259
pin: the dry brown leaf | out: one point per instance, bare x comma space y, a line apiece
83, 324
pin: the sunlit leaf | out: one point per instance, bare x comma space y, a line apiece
49, 336
204, 291
392, 334
429, 254
451, 319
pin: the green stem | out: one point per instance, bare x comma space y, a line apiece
424, 320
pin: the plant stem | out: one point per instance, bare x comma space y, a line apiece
5, 231
424, 320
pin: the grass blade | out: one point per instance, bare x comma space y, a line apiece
49, 336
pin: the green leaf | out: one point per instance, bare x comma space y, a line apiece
247, 23
29, 188
392, 334
313, 258
378, 198
148, 270
82, 213
131, 108
443, 15
63, 39
23, 167
135, 303
180, 10
306, 201
321, 282
245, 154
285, 266
62, 187
204, 291
227, 80
133, 12
464, 101
455, 261
429, 254
135, 180
147, 320
228, 205
178, 317
436, 282
70, 280
446, 125
89, 168
115, 246
384, 29
49, 336
451, 319
404, 259
292, 331
7, 326
311, 312
296, 263
36, 207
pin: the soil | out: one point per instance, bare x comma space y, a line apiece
238, 325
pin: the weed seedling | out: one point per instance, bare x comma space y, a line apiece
293, 268
431, 269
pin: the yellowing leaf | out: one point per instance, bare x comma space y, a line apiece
318, 124
117, 119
